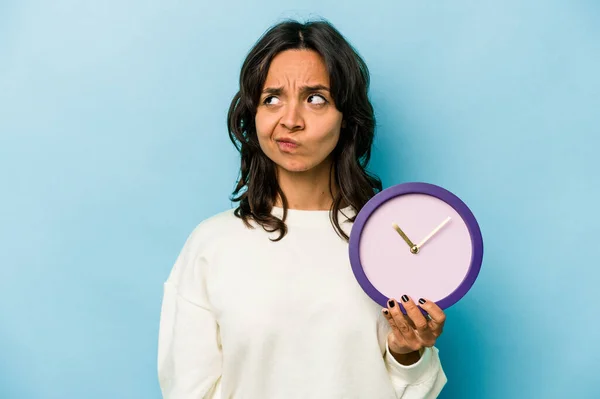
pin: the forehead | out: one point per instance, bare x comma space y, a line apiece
300, 66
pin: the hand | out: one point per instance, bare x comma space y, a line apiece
414, 331
419, 245
413, 248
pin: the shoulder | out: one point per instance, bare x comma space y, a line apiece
208, 235
222, 220
217, 225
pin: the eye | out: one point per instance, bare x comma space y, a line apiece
317, 99
271, 100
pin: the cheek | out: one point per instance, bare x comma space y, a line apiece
264, 127
332, 135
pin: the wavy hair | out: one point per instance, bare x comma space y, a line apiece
257, 188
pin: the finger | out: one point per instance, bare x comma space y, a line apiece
396, 333
419, 321
409, 321
402, 325
388, 316
437, 315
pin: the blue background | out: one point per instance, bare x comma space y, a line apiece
113, 146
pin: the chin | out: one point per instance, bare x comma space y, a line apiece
294, 167
298, 165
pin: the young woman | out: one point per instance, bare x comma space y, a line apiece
262, 302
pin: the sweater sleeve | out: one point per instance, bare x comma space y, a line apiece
423, 380
189, 349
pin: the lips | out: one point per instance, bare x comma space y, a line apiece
287, 145
287, 141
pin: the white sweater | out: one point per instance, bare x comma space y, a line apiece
247, 318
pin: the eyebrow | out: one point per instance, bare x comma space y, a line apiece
303, 89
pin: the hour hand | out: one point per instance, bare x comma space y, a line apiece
412, 246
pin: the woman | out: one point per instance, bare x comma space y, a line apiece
262, 302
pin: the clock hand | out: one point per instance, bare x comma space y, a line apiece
419, 245
413, 248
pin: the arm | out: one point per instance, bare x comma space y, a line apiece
189, 351
423, 379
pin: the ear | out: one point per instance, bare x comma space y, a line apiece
343, 123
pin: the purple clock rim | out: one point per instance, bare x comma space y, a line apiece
417, 188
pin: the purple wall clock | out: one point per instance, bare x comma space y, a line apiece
417, 239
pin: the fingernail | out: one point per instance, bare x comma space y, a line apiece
385, 311
391, 303
405, 298
421, 301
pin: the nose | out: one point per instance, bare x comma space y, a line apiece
292, 118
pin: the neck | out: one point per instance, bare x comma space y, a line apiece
309, 190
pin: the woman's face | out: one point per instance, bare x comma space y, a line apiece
297, 122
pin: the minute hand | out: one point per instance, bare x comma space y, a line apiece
419, 245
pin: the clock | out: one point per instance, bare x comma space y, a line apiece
417, 239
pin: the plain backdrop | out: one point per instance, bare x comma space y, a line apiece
113, 147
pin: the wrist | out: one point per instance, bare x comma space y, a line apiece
407, 359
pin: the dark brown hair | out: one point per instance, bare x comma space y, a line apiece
258, 188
